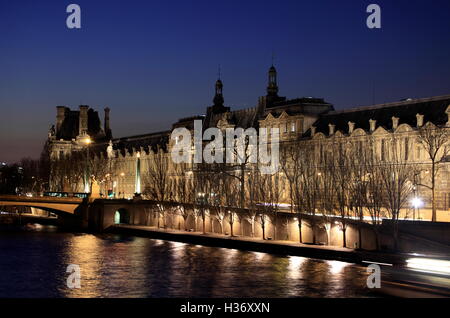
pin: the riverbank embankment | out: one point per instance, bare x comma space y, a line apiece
266, 246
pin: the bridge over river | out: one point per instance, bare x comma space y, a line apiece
91, 213
50, 204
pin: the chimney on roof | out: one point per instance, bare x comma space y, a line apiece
106, 123
351, 127
419, 120
313, 131
394, 122
60, 116
331, 129
83, 120
373, 124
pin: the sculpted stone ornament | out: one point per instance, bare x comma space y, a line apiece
95, 188
51, 131
109, 149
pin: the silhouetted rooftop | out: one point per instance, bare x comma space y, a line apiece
432, 108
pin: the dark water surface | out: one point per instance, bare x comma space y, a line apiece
34, 263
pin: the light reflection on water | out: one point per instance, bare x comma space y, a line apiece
34, 265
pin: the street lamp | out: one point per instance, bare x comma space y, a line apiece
122, 184
417, 203
87, 187
137, 183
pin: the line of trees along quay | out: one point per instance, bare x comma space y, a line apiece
340, 180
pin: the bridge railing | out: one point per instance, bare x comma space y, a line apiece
17, 198
55, 194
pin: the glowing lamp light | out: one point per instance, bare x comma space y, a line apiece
416, 203
88, 140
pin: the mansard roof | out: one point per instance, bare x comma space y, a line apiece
127, 144
153, 140
244, 118
304, 105
432, 108
302, 100
187, 122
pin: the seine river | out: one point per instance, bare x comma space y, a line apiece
33, 263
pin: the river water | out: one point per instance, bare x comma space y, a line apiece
33, 263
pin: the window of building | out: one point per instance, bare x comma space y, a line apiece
293, 126
383, 150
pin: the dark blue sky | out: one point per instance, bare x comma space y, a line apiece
153, 62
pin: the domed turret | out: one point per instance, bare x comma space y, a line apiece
272, 88
218, 97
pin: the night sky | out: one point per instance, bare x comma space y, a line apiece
153, 62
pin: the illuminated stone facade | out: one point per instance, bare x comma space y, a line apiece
302, 121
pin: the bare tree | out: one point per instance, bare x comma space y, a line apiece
290, 160
203, 179
434, 140
241, 150
232, 194
327, 188
396, 175
217, 196
253, 197
183, 189
310, 177
157, 181
304, 176
375, 190
100, 167
269, 193
358, 187
30, 182
68, 172
342, 179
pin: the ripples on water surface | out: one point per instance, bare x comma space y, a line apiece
33, 264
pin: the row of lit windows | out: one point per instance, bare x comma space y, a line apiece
385, 149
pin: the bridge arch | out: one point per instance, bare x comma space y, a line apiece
122, 216
53, 205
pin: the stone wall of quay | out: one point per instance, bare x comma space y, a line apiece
314, 230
